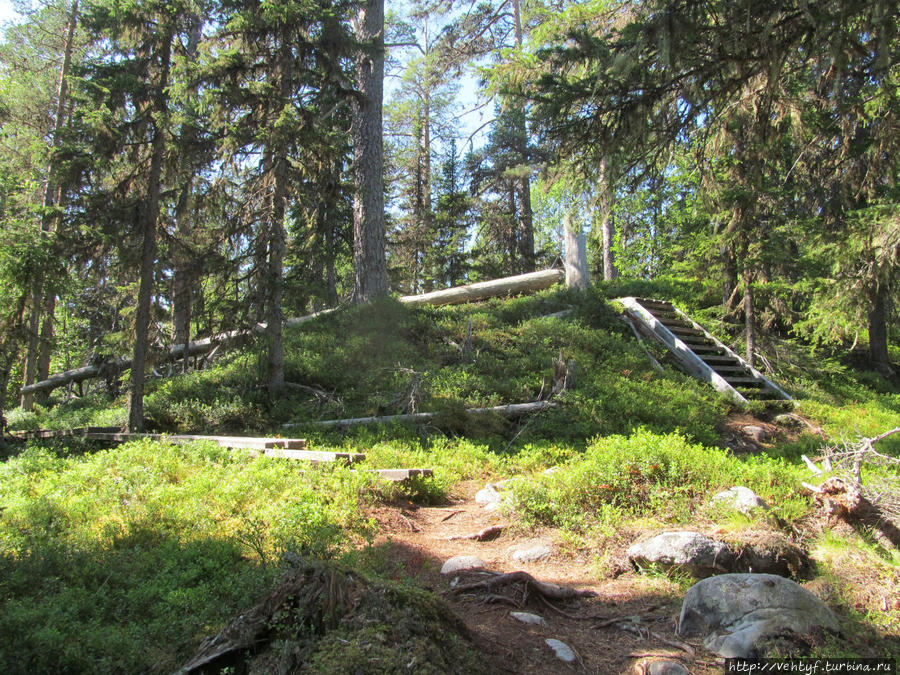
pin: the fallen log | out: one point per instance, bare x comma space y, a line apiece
533, 281
512, 410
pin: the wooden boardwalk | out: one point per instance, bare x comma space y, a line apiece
282, 448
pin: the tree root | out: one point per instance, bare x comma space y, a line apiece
542, 589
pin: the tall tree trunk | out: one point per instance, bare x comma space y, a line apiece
878, 334
526, 217
729, 278
149, 219
749, 320
607, 229
9, 345
369, 262
277, 244
43, 299
183, 276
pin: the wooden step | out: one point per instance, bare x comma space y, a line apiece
745, 381
712, 359
729, 369
705, 349
674, 323
678, 330
400, 475
315, 456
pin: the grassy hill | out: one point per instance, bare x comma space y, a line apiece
123, 559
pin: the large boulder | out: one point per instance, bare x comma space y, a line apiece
736, 614
700, 556
682, 550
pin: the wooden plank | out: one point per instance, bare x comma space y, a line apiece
400, 475
511, 410
315, 456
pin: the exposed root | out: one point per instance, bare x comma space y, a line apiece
525, 583
486, 534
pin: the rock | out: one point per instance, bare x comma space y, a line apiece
741, 499
769, 552
532, 554
527, 617
664, 667
552, 470
734, 613
690, 552
488, 495
788, 420
561, 649
754, 433
462, 563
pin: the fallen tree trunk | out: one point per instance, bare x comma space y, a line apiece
534, 281
512, 410
195, 348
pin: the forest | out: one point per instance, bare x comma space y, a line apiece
215, 213
179, 170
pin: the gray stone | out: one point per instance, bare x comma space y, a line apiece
690, 552
527, 617
741, 499
788, 420
461, 563
755, 433
561, 649
532, 554
663, 667
735, 613
488, 495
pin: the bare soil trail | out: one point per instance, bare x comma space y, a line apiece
628, 622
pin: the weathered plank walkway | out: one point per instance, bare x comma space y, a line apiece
282, 448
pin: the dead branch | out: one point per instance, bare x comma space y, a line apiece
451, 514
486, 534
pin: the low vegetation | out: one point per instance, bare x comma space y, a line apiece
144, 549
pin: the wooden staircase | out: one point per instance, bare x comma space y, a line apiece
699, 353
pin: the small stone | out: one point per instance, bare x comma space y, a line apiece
552, 470
741, 499
754, 433
663, 667
488, 495
533, 554
462, 563
527, 617
561, 649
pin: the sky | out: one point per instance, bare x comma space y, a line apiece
6, 11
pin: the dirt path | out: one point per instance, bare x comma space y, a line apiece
418, 540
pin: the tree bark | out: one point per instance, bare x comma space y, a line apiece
184, 275
878, 333
277, 245
607, 229
149, 219
526, 216
749, 320
729, 278
369, 262
37, 359
577, 274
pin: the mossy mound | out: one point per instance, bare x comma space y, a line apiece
324, 618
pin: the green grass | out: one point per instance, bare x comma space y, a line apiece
125, 559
